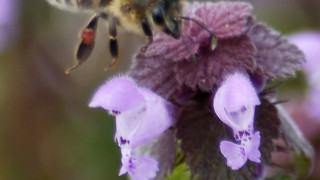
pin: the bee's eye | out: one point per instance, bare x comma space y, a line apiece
158, 16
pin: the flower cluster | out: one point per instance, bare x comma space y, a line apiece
216, 76
141, 116
233, 67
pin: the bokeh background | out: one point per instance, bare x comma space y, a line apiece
47, 130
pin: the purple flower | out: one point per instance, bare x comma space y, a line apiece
141, 117
234, 103
235, 58
235, 65
8, 9
138, 168
238, 154
144, 123
309, 43
117, 95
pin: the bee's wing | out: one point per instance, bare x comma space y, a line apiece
70, 5
76, 5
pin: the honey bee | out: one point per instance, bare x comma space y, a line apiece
138, 16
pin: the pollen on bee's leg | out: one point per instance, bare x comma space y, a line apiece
88, 36
86, 45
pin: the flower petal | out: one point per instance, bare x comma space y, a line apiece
238, 154
144, 123
235, 101
155, 120
138, 168
234, 154
123, 170
253, 149
239, 92
309, 43
118, 94
142, 168
127, 124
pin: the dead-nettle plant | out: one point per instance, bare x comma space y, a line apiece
203, 102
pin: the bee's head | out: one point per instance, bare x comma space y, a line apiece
166, 15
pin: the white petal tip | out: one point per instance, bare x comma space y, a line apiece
93, 104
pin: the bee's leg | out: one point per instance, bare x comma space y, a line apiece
87, 43
148, 32
103, 16
114, 49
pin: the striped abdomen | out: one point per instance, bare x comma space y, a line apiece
75, 5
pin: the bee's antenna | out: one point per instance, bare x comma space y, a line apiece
199, 24
202, 26
193, 58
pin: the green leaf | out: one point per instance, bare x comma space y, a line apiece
303, 151
180, 172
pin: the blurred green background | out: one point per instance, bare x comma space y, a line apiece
47, 130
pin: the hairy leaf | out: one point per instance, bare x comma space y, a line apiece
224, 19
276, 57
210, 67
155, 73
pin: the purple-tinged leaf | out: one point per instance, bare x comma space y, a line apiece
224, 19
230, 55
276, 57
155, 73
